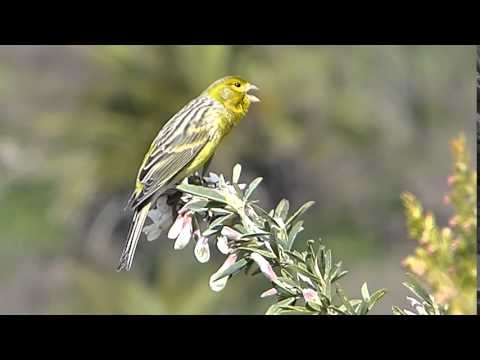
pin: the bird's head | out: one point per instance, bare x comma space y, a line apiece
232, 92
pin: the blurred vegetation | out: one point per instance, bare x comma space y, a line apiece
350, 127
446, 257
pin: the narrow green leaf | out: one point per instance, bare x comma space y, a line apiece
345, 301
294, 231
298, 309
300, 212
275, 308
207, 193
295, 254
210, 231
264, 253
232, 270
221, 220
365, 293
255, 234
217, 210
197, 205
281, 211
375, 297
416, 288
238, 190
237, 170
339, 276
321, 259
363, 308
265, 215
253, 185
397, 311
337, 310
328, 263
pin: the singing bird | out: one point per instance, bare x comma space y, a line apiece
184, 145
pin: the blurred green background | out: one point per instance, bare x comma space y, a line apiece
350, 127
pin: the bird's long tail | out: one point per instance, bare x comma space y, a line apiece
136, 227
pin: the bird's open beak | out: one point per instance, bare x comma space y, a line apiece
252, 98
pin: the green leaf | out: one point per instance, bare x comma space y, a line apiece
217, 224
237, 170
295, 230
298, 309
253, 185
275, 309
269, 218
300, 212
345, 301
280, 235
365, 293
255, 234
397, 311
328, 263
222, 211
281, 211
238, 190
363, 308
321, 260
286, 286
375, 297
210, 231
339, 276
221, 220
264, 253
197, 205
337, 310
201, 191
414, 286
231, 270
295, 254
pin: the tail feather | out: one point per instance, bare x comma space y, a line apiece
134, 233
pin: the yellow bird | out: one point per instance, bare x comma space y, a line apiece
185, 144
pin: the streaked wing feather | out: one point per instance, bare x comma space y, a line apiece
160, 167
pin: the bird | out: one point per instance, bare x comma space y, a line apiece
185, 144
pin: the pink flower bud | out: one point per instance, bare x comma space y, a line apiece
264, 266
222, 245
450, 180
185, 233
176, 227
231, 233
269, 292
202, 250
446, 200
219, 284
309, 294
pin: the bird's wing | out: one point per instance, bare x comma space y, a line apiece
176, 145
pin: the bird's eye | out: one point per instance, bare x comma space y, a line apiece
237, 84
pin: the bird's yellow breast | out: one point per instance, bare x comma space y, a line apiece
223, 125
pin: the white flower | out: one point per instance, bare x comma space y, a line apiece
264, 266
202, 250
181, 230
161, 217
176, 227
222, 245
219, 284
269, 292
